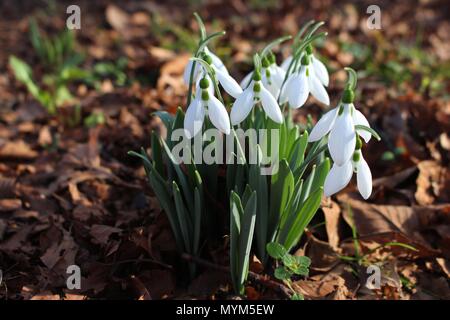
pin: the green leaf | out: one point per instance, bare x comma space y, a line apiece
276, 250
368, 129
236, 213
198, 204
303, 261
258, 183
185, 186
201, 26
304, 216
21, 69
183, 218
166, 118
289, 260
157, 154
273, 44
300, 270
297, 296
282, 188
246, 236
281, 273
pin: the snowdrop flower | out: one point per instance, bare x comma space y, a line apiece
318, 67
340, 122
301, 83
216, 61
339, 176
254, 93
227, 82
205, 103
272, 76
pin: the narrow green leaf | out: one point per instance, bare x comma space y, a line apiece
183, 218
246, 236
304, 216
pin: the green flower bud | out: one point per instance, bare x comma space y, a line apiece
257, 87
257, 76
348, 96
205, 95
356, 156
207, 59
309, 49
204, 83
305, 60
358, 143
265, 62
272, 58
267, 73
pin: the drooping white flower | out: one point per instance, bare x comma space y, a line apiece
301, 83
226, 81
340, 122
254, 93
340, 176
272, 76
216, 61
319, 69
205, 103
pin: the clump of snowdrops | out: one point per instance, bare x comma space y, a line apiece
265, 188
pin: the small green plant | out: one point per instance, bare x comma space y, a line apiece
60, 61
288, 265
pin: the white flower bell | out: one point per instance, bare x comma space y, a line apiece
340, 176
226, 81
205, 103
340, 122
254, 93
317, 66
272, 76
301, 83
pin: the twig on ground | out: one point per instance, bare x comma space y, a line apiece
261, 279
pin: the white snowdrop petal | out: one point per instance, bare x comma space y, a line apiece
360, 119
317, 89
286, 63
218, 115
277, 75
320, 71
187, 72
323, 126
242, 106
270, 85
298, 90
246, 81
337, 178
270, 105
284, 90
228, 83
364, 178
342, 138
217, 62
193, 120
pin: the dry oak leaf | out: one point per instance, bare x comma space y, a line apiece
101, 233
17, 150
431, 182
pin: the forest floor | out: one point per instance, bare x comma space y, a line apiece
70, 194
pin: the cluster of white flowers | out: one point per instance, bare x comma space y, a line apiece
344, 145
268, 86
